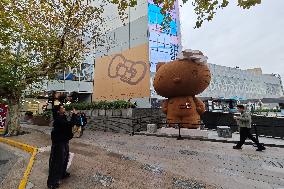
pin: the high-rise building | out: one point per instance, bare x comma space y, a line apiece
131, 50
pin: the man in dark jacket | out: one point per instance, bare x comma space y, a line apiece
59, 155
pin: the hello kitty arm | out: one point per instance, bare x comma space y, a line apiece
200, 106
165, 106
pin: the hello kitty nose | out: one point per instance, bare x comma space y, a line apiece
177, 80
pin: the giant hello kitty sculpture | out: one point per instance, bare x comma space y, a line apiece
180, 81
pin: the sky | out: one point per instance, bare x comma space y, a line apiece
236, 37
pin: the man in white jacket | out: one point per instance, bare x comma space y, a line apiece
244, 122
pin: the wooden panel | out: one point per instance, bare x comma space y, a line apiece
123, 76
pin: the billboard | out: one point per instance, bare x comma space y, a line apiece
83, 73
163, 45
123, 76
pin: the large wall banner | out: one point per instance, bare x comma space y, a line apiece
3, 117
123, 76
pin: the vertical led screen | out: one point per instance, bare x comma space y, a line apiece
163, 45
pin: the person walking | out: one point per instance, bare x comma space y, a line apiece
59, 155
83, 122
75, 119
244, 122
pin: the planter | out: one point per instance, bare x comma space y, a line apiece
108, 112
88, 113
127, 112
95, 112
116, 112
102, 112
40, 121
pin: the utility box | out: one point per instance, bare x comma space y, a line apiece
224, 131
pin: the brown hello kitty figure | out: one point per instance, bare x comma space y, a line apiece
180, 81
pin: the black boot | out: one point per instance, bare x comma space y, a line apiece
66, 175
260, 148
237, 147
53, 186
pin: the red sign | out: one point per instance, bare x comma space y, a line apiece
3, 117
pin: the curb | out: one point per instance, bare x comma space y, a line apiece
205, 139
25, 147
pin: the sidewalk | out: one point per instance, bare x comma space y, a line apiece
212, 136
236, 137
124, 157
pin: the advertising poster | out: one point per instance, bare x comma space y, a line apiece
3, 118
123, 76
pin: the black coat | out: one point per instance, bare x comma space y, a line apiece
75, 119
62, 129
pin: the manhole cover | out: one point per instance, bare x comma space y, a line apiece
128, 158
103, 179
157, 148
188, 184
153, 169
3, 162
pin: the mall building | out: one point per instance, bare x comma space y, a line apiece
125, 64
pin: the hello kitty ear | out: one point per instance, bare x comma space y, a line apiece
159, 65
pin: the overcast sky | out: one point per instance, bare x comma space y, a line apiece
237, 37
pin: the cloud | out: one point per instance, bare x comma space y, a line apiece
237, 37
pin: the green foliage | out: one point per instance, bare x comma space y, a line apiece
120, 104
38, 39
204, 9
3, 101
46, 114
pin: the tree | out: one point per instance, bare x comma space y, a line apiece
39, 38
204, 9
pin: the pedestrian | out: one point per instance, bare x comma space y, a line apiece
75, 119
83, 122
244, 122
59, 155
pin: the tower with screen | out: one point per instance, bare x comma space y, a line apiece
163, 45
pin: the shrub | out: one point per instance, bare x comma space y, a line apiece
46, 114
119, 104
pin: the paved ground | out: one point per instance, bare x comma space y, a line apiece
213, 163
236, 137
94, 167
148, 162
13, 163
